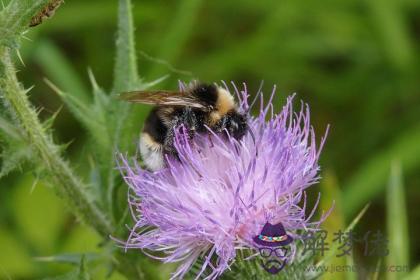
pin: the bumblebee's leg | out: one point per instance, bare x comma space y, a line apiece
168, 144
186, 118
220, 126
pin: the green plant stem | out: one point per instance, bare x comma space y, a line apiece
125, 71
67, 184
14, 20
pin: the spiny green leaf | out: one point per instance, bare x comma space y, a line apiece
125, 72
69, 258
79, 108
101, 101
80, 273
15, 19
125, 79
87, 115
13, 157
99, 94
8, 129
14, 150
48, 123
397, 222
65, 182
83, 270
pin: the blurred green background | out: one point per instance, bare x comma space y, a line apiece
357, 63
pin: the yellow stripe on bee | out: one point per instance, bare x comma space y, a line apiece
225, 101
150, 142
224, 104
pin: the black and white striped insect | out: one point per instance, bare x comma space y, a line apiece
197, 106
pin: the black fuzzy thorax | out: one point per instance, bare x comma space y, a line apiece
163, 120
206, 93
160, 125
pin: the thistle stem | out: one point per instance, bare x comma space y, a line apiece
68, 186
14, 20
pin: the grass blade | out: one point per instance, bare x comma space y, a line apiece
375, 274
350, 275
333, 249
371, 177
414, 275
388, 18
178, 34
397, 222
335, 222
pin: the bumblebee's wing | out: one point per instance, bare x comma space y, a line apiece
162, 97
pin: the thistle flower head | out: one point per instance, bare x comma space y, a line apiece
220, 192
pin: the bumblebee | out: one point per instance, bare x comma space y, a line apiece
196, 107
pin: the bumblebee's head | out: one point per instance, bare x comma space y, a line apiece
236, 124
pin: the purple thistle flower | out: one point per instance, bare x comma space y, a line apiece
220, 192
